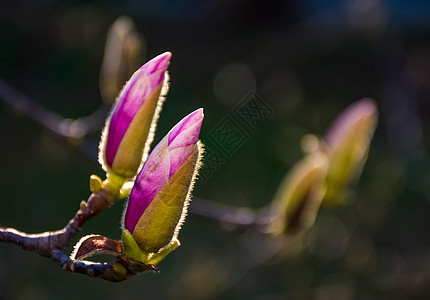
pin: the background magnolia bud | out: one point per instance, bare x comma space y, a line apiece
124, 52
348, 141
158, 202
299, 195
130, 128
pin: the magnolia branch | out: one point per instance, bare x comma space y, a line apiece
68, 131
231, 217
52, 244
56, 124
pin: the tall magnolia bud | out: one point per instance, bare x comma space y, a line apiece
348, 141
158, 202
130, 128
299, 195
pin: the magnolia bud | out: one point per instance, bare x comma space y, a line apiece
348, 141
299, 196
124, 52
158, 202
130, 128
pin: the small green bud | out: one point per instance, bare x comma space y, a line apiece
119, 272
95, 184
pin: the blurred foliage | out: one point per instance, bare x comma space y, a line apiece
307, 60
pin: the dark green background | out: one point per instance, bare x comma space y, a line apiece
307, 60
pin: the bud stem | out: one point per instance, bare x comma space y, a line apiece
113, 183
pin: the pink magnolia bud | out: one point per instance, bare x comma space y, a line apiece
130, 128
158, 201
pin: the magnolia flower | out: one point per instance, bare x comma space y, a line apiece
159, 198
348, 141
130, 128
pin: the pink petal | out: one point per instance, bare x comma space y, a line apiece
162, 163
143, 82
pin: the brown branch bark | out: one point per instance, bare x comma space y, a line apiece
52, 244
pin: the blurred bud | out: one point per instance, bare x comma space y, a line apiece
299, 196
309, 143
158, 202
130, 128
348, 140
124, 53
